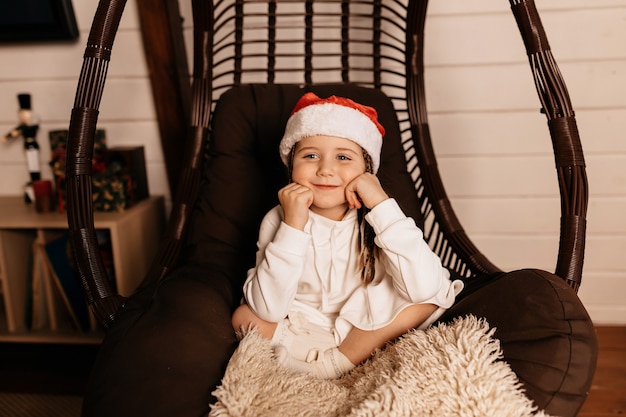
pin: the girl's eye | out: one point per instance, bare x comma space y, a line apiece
309, 156
344, 158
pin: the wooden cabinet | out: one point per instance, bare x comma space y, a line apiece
25, 278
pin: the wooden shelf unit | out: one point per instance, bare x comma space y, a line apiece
135, 235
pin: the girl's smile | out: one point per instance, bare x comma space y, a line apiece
325, 186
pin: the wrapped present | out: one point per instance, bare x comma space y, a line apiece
129, 162
58, 150
118, 174
110, 192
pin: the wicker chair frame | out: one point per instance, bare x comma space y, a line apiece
374, 43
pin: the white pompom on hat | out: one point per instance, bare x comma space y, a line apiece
334, 116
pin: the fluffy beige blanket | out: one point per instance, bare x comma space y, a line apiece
447, 370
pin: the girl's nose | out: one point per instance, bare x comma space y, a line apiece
325, 167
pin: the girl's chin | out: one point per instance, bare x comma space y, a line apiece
334, 212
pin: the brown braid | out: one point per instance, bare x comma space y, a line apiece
369, 250
367, 246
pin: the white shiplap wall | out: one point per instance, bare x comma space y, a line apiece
492, 144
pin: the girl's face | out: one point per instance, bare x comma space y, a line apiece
326, 165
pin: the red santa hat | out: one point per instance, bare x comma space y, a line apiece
333, 116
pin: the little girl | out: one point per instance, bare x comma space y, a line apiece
340, 270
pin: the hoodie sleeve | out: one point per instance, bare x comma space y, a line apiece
415, 270
271, 285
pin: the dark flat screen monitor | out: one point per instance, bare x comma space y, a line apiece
37, 20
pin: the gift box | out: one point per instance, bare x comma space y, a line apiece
118, 174
110, 192
129, 162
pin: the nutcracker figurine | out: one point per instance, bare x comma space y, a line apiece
27, 129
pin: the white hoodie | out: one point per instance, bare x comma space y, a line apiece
316, 272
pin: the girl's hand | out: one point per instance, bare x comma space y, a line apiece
365, 189
295, 200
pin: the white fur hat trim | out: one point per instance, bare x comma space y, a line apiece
332, 119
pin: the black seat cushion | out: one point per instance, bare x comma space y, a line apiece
170, 345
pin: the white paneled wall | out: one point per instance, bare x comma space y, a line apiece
493, 145
491, 141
